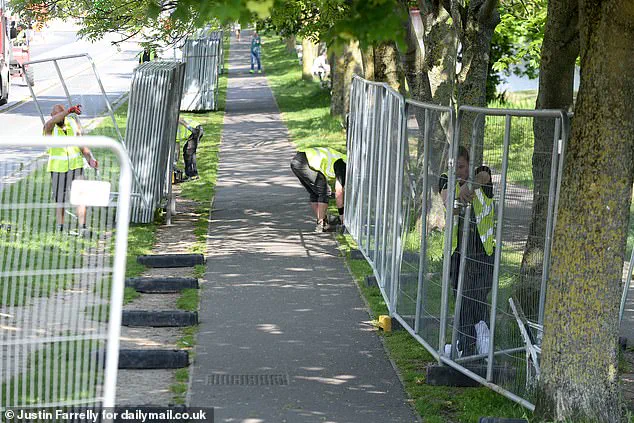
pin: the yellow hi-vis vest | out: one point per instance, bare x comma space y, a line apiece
485, 221
63, 159
322, 159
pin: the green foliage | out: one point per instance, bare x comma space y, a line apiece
518, 38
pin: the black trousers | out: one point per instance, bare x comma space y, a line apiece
477, 282
314, 182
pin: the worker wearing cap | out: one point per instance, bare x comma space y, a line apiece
67, 163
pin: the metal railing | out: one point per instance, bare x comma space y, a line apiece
204, 57
61, 285
151, 133
450, 294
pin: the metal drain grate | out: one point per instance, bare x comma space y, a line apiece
247, 380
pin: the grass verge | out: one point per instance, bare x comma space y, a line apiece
305, 110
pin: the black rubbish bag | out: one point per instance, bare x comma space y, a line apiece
189, 151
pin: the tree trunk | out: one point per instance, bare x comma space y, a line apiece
353, 64
481, 19
387, 67
579, 353
430, 77
337, 73
439, 57
290, 43
367, 57
309, 53
560, 50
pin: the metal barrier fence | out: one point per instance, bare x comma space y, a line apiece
204, 58
151, 133
71, 80
450, 288
61, 290
375, 177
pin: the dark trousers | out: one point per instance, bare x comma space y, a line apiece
477, 282
314, 182
255, 58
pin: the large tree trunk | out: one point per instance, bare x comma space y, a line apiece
353, 64
439, 58
309, 53
560, 50
290, 43
481, 19
387, 67
342, 68
337, 74
367, 56
430, 75
579, 353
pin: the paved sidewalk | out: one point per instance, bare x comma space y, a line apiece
284, 335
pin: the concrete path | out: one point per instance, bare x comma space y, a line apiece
284, 334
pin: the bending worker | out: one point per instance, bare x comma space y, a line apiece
66, 163
317, 168
478, 272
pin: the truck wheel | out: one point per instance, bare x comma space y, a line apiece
29, 74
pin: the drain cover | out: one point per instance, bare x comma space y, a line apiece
247, 380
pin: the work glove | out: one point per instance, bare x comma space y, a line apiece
75, 109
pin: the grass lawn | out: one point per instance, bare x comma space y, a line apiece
305, 110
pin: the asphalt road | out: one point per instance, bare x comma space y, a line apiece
21, 116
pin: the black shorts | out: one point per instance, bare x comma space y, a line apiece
314, 182
61, 183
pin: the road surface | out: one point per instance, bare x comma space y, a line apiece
20, 117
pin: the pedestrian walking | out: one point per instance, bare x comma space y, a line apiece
256, 49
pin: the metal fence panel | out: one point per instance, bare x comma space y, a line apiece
374, 150
446, 287
61, 290
426, 152
203, 56
485, 335
151, 132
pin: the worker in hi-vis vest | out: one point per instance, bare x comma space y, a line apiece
478, 272
67, 163
322, 170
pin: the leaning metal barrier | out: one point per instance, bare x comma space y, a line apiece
203, 56
151, 133
450, 295
61, 291
71, 80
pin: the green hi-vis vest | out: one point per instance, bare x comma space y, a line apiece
485, 221
63, 159
322, 159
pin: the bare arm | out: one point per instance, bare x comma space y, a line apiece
54, 120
